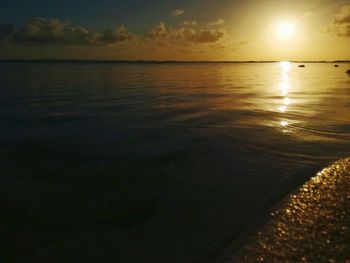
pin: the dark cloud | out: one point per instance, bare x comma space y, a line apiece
119, 35
54, 31
6, 30
340, 24
42, 30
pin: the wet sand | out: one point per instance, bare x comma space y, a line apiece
311, 225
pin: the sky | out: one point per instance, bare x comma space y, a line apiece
175, 30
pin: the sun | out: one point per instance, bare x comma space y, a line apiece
285, 30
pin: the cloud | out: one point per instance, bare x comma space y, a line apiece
119, 35
6, 30
206, 36
54, 31
189, 23
219, 22
42, 30
186, 34
343, 17
48, 31
178, 12
340, 24
157, 32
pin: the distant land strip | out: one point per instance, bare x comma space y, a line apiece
155, 61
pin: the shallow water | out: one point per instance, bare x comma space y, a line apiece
157, 162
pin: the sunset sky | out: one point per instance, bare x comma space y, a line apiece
175, 30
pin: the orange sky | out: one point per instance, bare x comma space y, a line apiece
250, 31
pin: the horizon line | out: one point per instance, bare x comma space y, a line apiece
54, 60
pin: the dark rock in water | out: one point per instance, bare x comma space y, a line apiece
301, 66
336, 66
348, 71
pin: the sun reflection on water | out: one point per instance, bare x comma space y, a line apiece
283, 109
284, 123
286, 66
285, 87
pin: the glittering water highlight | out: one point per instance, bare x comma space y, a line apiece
311, 225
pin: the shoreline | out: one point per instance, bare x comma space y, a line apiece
309, 225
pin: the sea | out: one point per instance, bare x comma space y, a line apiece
157, 162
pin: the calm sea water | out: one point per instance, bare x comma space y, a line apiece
157, 162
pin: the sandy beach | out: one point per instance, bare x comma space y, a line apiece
310, 225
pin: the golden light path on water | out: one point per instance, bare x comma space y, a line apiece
285, 87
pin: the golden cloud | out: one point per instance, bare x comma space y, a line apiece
219, 22
340, 24
189, 23
186, 33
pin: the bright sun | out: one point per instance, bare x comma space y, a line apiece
285, 30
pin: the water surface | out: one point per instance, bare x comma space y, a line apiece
157, 162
